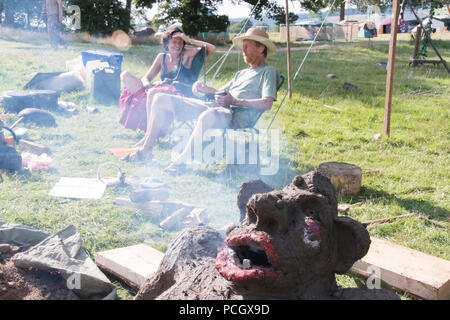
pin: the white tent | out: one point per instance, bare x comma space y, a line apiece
435, 24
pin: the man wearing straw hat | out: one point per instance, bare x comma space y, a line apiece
236, 105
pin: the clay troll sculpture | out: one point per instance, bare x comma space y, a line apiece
289, 246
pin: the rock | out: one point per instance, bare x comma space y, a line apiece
344, 207
68, 106
37, 116
247, 190
91, 109
349, 86
331, 76
4, 248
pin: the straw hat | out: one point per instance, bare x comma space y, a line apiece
257, 35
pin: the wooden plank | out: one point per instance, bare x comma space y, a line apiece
132, 264
409, 270
34, 147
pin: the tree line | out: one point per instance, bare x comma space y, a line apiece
102, 17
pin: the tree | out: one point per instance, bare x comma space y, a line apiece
195, 15
1, 10
128, 8
103, 17
237, 27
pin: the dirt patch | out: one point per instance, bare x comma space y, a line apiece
29, 284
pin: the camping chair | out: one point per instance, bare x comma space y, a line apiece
251, 128
197, 64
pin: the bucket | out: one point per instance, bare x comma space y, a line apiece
90, 67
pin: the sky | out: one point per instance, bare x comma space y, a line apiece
243, 10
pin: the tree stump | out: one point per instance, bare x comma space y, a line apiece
345, 177
15, 101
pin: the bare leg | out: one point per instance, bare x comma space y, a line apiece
161, 115
131, 82
150, 96
207, 120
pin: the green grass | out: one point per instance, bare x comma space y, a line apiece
412, 164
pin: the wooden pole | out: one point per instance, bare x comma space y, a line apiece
391, 64
417, 43
288, 50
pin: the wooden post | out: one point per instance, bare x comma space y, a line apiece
417, 43
288, 52
391, 64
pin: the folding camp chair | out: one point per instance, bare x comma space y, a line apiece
251, 128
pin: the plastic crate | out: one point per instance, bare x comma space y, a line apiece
113, 58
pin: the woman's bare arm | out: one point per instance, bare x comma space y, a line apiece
153, 71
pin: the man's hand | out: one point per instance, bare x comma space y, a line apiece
224, 100
199, 88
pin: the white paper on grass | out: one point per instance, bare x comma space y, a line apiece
78, 188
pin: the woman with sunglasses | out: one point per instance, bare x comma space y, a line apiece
178, 70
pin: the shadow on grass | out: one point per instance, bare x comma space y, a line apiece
409, 204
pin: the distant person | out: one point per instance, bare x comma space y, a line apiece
237, 104
53, 10
178, 68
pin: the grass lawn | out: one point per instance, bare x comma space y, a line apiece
409, 171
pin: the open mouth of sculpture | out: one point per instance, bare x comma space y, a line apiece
248, 256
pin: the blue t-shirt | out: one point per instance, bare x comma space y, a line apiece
252, 83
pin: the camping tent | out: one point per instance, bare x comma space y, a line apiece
385, 26
367, 30
307, 30
347, 29
436, 24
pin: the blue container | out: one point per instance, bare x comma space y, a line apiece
113, 58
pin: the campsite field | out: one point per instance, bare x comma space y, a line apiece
403, 173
